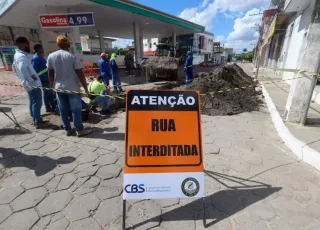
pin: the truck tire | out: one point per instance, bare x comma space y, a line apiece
174, 76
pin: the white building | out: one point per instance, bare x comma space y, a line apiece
203, 43
292, 42
150, 45
92, 44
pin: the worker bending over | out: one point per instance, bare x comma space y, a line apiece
188, 68
115, 76
97, 87
104, 68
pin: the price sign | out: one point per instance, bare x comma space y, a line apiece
66, 20
81, 19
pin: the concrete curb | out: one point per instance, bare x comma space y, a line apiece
299, 148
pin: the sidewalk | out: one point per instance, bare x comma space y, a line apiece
252, 181
278, 91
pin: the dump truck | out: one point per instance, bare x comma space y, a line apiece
163, 65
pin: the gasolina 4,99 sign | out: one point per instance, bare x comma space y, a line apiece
66, 20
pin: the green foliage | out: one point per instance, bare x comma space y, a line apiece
121, 51
246, 56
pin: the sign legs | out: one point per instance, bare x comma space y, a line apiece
204, 213
124, 214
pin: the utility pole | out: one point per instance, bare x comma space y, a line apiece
309, 97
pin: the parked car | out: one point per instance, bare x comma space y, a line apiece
207, 64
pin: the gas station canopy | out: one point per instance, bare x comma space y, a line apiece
114, 18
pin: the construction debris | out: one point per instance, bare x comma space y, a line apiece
239, 94
161, 67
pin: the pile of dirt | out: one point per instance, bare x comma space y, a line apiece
229, 102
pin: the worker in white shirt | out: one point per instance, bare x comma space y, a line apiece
22, 67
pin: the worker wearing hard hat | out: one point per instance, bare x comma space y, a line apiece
188, 68
104, 68
115, 76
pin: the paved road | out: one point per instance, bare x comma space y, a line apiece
252, 181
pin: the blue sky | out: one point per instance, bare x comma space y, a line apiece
229, 20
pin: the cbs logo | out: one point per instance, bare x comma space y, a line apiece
134, 188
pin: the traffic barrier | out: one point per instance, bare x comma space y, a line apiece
10, 84
299, 71
121, 96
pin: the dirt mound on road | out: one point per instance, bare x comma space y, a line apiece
231, 101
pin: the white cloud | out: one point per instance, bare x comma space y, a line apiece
244, 34
122, 43
188, 13
202, 16
236, 6
219, 38
205, 13
204, 3
231, 16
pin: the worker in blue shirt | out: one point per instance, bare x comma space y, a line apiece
39, 64
115, 76
188, 68
104, 68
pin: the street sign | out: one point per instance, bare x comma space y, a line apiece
8, 49
66, 20
163, 150
78, 46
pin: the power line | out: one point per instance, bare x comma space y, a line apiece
256, 14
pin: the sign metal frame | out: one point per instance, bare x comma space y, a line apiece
126, 163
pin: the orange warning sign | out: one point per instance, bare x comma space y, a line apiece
163, 132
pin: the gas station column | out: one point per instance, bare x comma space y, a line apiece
138, 41
101, 41
141, 42
76, 40
45, 38
174, 39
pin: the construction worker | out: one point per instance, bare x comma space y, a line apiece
128, 64
104, 68
171, 52
188, 68
29, 79
66, 74
39, 64
97, 87
115, 76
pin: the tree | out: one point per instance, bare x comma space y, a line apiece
246, 56
245, 50
121, 51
